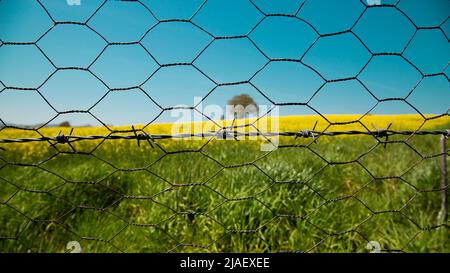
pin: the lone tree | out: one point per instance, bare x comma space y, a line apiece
64, 124
242, 105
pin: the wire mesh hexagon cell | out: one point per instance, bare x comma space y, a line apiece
110, 134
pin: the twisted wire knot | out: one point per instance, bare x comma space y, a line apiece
141, 136
304, 133
62, 139
382, 133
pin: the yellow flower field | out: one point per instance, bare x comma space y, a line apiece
281, 124
270, 124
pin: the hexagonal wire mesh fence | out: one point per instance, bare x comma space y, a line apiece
295, 197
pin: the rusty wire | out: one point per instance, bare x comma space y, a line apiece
381, 135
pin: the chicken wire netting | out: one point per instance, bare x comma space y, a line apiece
334, 184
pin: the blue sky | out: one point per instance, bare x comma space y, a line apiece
382, 29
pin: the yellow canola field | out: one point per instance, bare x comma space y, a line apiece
281, 124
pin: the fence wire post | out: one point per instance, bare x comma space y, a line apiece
443, 213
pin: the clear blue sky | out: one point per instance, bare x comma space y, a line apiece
383, 29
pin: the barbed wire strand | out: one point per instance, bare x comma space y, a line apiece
230, 132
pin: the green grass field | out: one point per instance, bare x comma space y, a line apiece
227, 197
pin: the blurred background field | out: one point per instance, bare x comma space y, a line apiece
211, 195
327, 66
263, 124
